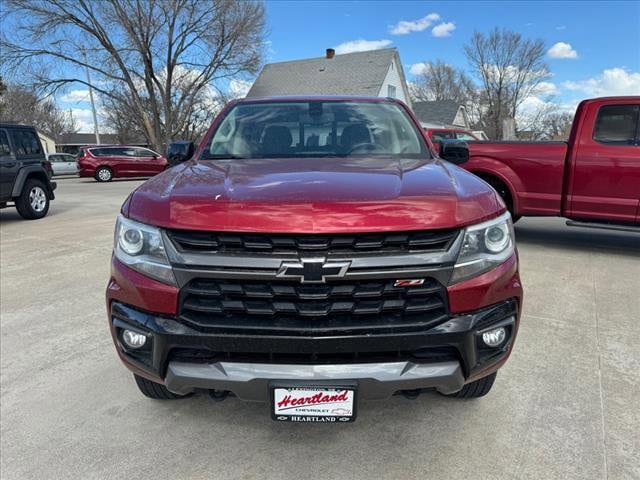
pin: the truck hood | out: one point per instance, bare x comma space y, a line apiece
318, 195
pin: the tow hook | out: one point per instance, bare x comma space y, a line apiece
219, 395
411, 394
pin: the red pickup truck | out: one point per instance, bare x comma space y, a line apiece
593, 179
310, 253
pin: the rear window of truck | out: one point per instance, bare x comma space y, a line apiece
617, 124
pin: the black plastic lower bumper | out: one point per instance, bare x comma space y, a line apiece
457, 339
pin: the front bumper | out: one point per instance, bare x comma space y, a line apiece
251, 381
444, 357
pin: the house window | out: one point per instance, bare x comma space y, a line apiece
391, 91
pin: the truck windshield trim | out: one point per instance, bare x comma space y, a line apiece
315, 129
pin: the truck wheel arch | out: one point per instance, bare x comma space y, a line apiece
33, 171
504, 189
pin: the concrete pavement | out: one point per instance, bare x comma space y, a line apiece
564, 406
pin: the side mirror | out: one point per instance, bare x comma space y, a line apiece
180, 151
454, 151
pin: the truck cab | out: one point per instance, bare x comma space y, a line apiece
593, 178
603, 162
312, 249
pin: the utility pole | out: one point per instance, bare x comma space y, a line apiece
96, 128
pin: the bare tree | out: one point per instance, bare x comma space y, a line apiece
558, 125
440, 81
510, 68
21, 105
119, 118
157, 57
531, 123
547, 122
3, 89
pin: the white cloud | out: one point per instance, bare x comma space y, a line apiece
546, 88
530, 105
562, 50
561, 27
361, 46
83, 119
418, 68
75, 96
443, 29
612, 81
533, 105
404, 27
239, 88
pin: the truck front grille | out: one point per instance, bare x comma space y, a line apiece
291, 308
247, 243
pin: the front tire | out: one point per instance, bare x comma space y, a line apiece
155, 390
104, 174
33, 202
476, 389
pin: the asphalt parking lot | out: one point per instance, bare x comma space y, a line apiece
564, 406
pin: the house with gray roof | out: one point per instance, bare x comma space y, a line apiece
445, 113
376, 73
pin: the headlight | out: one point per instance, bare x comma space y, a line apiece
485, 246
140, 247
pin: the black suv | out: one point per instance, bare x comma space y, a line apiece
24, 172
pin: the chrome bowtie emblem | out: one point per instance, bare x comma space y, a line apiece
313, 270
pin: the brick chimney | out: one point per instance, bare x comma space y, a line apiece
330, 53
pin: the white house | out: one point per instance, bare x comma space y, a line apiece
47, 142
439, 114
375, 73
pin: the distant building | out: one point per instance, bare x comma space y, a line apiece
376, 73
445, 113
71, 142
47, 142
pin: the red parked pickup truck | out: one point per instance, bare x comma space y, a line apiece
312, 253
593, 179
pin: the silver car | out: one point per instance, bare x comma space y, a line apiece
63, 163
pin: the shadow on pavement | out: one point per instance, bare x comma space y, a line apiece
575, 238
10, 214
115, 180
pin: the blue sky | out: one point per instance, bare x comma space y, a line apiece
597, 44
603, 36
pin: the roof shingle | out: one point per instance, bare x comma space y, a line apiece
438, 113
360, 74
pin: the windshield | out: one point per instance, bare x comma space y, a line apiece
315, 129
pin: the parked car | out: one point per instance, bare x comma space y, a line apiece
63, 164
593, 179
105, 162
437, 134
312, 252
24, 172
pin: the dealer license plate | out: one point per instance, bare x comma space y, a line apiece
314, 404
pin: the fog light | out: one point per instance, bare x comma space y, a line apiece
134, 339
494, 338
